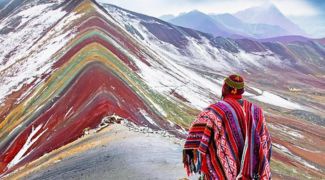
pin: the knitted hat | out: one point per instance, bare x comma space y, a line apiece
233, 85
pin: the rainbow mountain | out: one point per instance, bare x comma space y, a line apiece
67, 65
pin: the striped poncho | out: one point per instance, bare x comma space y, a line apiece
229, 140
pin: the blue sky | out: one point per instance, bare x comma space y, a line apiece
308, 14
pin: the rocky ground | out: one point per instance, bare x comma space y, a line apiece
119, 149
115, 152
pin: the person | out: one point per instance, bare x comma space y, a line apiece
229, 139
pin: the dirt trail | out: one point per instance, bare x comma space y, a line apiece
118, 153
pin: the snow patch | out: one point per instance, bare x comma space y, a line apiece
297, 158
287, 130
270, 98
147, 117
176, 66
34, 60
29, 142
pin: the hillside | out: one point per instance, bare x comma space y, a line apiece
68, 66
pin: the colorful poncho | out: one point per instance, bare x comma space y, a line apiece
229, 140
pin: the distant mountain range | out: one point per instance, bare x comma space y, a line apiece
269, 14
199, 21
260, 22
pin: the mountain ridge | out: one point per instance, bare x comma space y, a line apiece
270, 14
270, 23
201, 22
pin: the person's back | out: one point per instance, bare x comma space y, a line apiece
229, 139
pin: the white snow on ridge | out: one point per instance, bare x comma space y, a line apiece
147, 117
172, 72
38, 19
18, 43
29, 142
257, 90
297, 158
273, 99
35, 59
166, 74
287, 130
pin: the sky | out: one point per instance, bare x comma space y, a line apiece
308, 14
